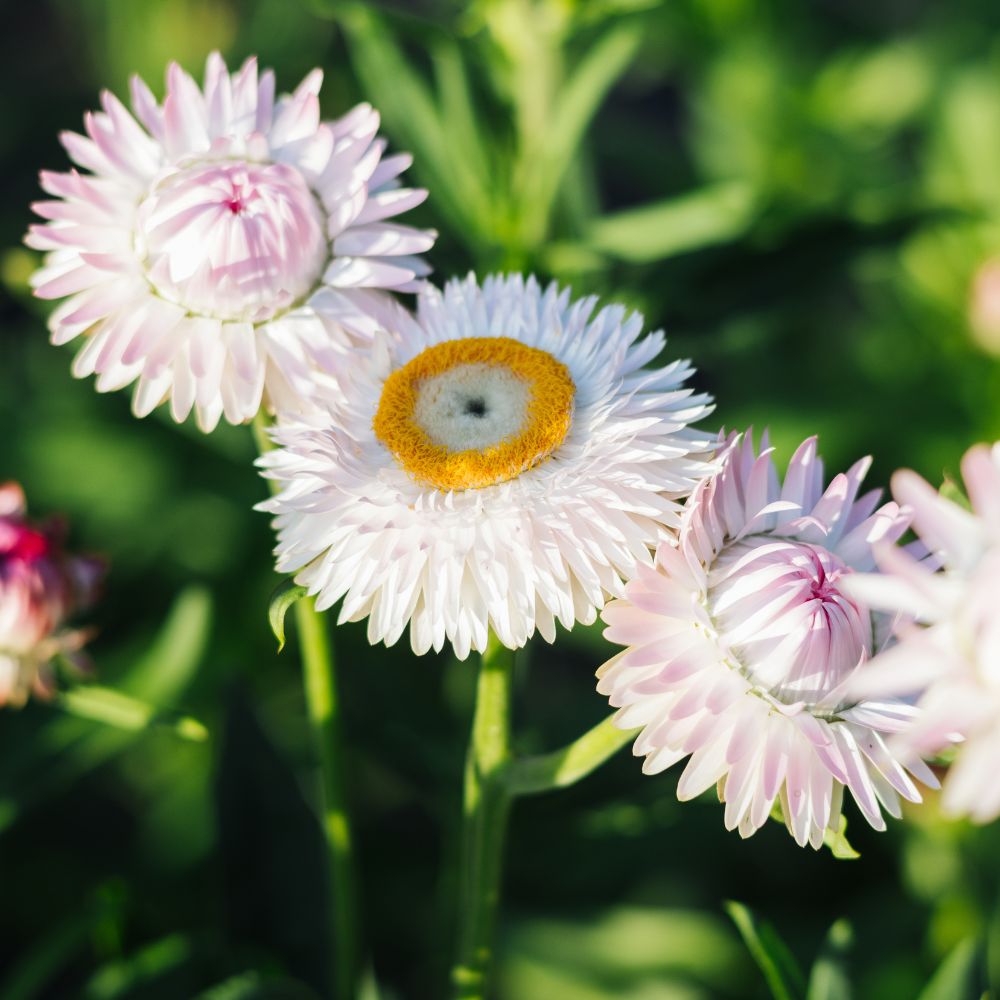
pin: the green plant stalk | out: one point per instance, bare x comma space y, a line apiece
486, 804
325, 721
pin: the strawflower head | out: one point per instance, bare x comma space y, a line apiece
948, 653
224, 245
503, 464
742, 641
41, 586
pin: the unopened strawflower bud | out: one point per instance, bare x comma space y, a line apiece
223, 246
41, 587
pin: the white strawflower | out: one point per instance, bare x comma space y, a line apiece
742, 641
948, 654
504, 464
224, 245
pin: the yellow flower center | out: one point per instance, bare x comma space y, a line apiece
473, 412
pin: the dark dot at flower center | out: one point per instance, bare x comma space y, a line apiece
475, 406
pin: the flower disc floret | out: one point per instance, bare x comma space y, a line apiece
741, 642
503, 463
222, 248
474, 412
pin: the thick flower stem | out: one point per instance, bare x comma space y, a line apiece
484, 818
325, 721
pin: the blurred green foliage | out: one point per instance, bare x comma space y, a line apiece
806, 196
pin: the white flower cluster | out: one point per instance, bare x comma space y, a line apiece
504, 457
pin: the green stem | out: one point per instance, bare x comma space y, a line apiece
325, 721
484, 820
566, 766
323, 709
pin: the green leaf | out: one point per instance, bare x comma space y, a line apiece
254, 986
412, 115
111, 707
457, 108
950, 490
828, 979
125, 976
544, 162
285, 595
706, 217
68, 747
840, 846
782, 974
958, 976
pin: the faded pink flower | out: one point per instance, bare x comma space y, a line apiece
224, 245
741, 642
40, 588
948, 654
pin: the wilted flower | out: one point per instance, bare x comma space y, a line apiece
227, 246
40, 588
741, 643
503, 464
953, 664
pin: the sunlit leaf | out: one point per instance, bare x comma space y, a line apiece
255, 986
775, 960
688, 222
840, 846
284, 596
958, 977
111, 707
574, 107
828, 978
122, 977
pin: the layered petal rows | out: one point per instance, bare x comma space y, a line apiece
548, 544
741, 642
221, 247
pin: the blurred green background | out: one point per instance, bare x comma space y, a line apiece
805, 195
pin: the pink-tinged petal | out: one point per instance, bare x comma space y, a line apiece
218, 96
51, 283
146, 108
388, 170
361, 272
981, 474
184, 115
386, 204
942, 525
383, 240
149, 393
703, 770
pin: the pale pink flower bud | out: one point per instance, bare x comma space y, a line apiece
224, 247
742, 640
